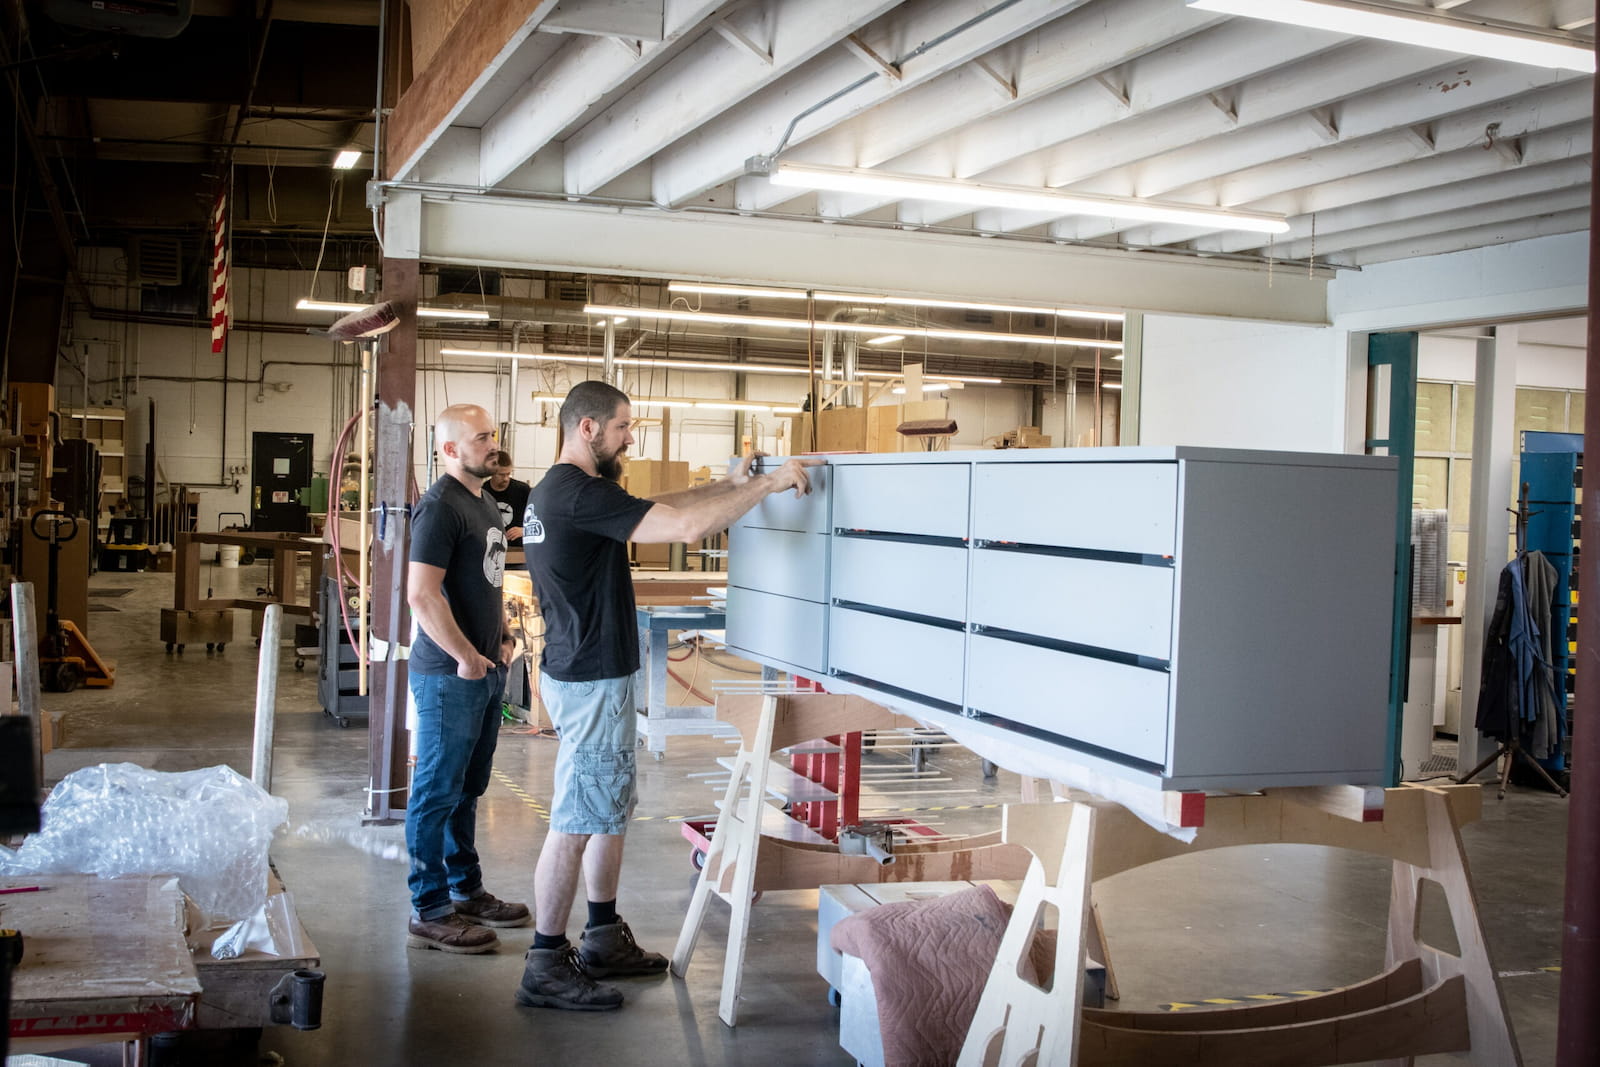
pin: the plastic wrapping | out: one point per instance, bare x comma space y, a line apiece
273, 929
210, 827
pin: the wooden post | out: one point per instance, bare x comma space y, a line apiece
26, 644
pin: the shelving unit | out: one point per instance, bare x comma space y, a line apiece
338, 664
1552, 465
106, 429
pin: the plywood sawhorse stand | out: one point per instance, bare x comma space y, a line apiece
1425, 1001
741, 862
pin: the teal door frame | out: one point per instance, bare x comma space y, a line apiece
1398, 352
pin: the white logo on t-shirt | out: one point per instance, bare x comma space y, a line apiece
494, 557
505, 512
532, 528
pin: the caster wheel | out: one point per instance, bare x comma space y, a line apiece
211, 646
834, 999
659, 756
66, 678
299, 663
170, 647
919, 758
697, 859
988, 770
180, 650
344, 722
260, 591
221, 645
258, 642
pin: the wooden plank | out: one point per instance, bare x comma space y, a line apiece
808, 716
479, 37
1363, 803
1429, 1022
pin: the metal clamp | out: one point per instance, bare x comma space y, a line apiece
868, 839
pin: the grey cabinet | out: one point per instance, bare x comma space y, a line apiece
1198, 618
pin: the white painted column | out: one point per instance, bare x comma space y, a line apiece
1489, 544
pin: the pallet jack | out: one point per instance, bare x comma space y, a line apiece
66, 658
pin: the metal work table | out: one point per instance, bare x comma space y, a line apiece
661, 720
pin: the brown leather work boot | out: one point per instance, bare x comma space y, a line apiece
451, 933
489, 910
556, 978
611, 952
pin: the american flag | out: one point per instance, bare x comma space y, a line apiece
219, 272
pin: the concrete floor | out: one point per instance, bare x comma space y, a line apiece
1227, 924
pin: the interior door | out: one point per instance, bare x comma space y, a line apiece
280, 465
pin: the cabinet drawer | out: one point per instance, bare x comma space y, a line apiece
779, 561
778, 628
1124, 607
1109, 705
929, 499
1112, 507
921, 579
785, 511
921, 659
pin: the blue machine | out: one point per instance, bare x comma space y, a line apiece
1552, 465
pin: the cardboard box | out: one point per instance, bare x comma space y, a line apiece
848, 430
162, 562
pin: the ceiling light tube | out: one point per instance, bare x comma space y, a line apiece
1425, 28
932, 377
424, 312
346, 159
1019, 197
927, 387
1111, 385
847, 327
895, 301
886, 340
627, 361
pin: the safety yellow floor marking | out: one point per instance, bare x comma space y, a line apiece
1180, 1005
522, 794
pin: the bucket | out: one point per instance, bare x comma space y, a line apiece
228, 556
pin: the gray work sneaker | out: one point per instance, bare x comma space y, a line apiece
490, 910
451, 933
556, 978
610, 951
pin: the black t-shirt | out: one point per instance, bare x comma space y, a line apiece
512, 501
575, 538
453, 529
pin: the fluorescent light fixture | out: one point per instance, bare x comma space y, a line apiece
346, 159
848, 327
557, 399
619, 320
1111, 385
889, 340
1019, 197
626, 361
1425, 28
932, 377
927, 387
424, 312
893, 301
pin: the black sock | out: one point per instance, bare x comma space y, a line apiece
601, 913
549, 940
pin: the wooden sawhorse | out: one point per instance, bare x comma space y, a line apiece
1425, 1001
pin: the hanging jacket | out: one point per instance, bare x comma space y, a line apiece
1516, 693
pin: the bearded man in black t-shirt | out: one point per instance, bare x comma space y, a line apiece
575, 534
510, 495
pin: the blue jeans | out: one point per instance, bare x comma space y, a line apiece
458, 725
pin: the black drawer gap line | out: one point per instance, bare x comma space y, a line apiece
1108, 754
1141, 559
1110, 655
903, 616
894, 690
902, 538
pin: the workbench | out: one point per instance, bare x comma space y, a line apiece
286, 550
660, 719
108, 959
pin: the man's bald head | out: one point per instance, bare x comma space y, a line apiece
457, 422
464, 436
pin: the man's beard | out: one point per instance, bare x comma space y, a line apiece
483, 471
608, 467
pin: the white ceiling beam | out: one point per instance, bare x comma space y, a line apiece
1412, 202
728, 248
1209, 169
1437, 244
1077, 45
708, 79
1008, 86
1562, 145
1496, 212
563, 89
739, 39
1172, 108
715, 154
875, 63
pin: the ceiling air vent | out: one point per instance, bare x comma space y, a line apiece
157, 261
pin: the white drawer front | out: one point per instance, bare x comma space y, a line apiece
1124, 607
1110, 705
1113, 507
907, 655
921, 579
778, 628
785, 511
779, 561
923, 498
